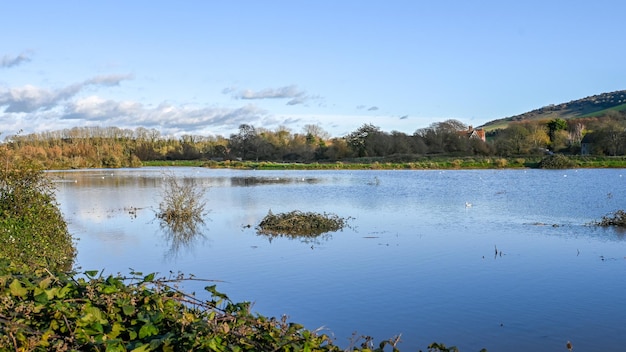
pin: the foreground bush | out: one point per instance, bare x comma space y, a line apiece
45, 311
32, 229
42, 311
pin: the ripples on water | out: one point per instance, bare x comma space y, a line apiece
418, 260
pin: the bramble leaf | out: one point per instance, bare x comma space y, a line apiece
142, 348
40, 296
91, 273
148, 330
17, 289
128, 309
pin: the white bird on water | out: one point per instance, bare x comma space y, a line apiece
468, 204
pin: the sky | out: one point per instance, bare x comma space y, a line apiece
206, 67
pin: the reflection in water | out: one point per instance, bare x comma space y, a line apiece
313, 240
258, 181
181, 235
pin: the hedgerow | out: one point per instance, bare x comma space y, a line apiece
32, 229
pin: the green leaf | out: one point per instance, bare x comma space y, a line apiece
17, 289
212, 289
148, 277
93, 314
167, 347
91, 273
142, 348
116, 330
148, 330
215, 344
109, 289
41, 296
114, 346
128, 309
64, 291
43, 284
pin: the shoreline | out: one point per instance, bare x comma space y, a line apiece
443, 163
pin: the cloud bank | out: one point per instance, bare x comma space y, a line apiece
170, 118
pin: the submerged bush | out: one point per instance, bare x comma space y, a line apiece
182, 202
617, 219
297, 223
32, 229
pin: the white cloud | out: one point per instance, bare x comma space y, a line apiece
364, 107
295, 95
108, 80
271, 93
29, 98
11, 61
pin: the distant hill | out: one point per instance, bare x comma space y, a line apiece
591, 106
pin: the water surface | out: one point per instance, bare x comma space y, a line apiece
417, 260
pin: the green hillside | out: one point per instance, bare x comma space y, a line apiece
591, 106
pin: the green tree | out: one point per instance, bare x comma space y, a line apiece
554, 126
445, 137
361, 140
245, 143
612, 135
513, 140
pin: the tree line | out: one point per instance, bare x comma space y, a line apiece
82, 147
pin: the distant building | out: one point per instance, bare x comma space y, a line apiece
586, 144
478, 133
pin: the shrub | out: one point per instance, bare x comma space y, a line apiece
32, 229
501, 163
556, 161
182, 206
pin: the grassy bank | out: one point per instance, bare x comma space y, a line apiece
425, 163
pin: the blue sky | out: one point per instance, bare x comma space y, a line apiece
205, 67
